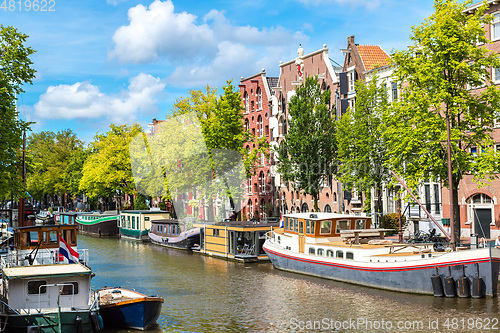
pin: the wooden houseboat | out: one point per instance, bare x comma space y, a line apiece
236, 240
344, 248
41, 290
99, 224
135, 224
173, 233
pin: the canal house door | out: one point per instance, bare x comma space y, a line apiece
302, 237
482, 219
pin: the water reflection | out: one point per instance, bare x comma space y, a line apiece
204, 294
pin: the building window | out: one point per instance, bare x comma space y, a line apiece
473, 150
246, 102
262, 181
247, 125
250, 185
328, 209
394, 91
260, 127
252, 105
305, 208
495, 26
352, 80
496, 75
259, 99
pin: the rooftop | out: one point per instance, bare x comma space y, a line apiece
372, 56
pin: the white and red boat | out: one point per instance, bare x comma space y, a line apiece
345, 248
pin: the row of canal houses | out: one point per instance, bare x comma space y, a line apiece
265, 100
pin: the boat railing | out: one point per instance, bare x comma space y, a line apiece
15, 258
6, 307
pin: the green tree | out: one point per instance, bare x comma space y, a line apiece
441, 70
51, 163
361, 148
308, 152
107, 170
15, 71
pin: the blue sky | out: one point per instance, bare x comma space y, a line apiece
124, 61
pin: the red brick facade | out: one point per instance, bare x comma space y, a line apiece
256, 98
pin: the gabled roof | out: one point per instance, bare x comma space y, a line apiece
372, 56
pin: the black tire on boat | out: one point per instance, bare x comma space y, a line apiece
450, 289
477, 285
437, 284
463, 285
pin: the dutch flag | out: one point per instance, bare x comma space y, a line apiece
282, 222
68, 252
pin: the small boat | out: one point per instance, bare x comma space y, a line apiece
345, 248
99, 224
43, 291
125, 308
170, 233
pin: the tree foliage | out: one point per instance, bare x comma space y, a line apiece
15, 71
307, 154
361, 148
440, 70
54, 163
107, 170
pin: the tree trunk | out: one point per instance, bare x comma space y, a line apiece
316, 208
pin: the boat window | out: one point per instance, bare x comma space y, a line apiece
70, 288
133, 222
301, 227
296, 225
349, 255
312, 227
343, 225
325, 227
215, 232
35, 287
279, 240
51, 237
340, 254
321, 252
146, 218
360, 224
312, 250
329, 253
308, 227
287, 228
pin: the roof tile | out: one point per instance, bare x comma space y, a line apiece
372, 56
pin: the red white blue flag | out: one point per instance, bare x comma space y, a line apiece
282, 222
68, 252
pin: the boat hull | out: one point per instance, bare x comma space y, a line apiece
184, 242
139, 314
100, 228
405, 276
134, 234
49, 322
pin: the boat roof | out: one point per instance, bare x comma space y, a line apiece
41, 271
144, 212
323, 216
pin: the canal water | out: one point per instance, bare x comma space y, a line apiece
204, 294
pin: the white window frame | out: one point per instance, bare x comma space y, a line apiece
495, 24
259, 98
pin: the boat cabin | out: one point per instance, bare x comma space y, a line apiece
38, 287
166, 228
28, 238
236, 240
323, 225
135, 224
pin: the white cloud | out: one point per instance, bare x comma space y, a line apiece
83, 100
203, 50
159, 32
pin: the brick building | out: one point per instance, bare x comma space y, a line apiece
256, 92
293, 73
